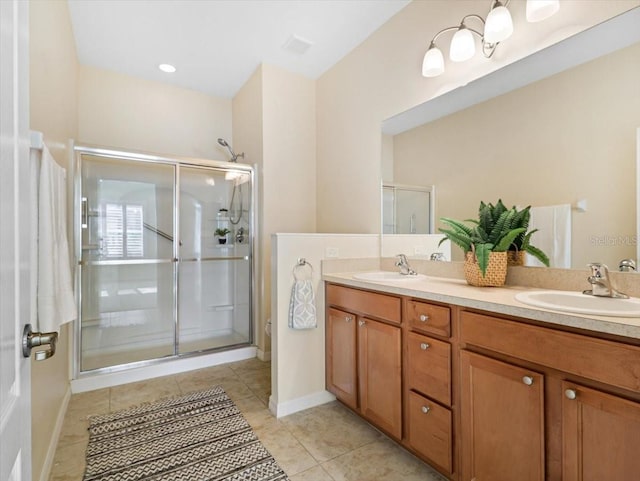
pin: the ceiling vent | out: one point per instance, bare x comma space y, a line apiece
297, 45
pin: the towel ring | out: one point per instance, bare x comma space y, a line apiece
301, 264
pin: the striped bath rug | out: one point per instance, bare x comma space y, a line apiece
197, 437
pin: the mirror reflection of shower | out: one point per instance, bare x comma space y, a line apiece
238, 179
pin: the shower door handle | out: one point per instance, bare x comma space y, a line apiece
32, 339
85, 213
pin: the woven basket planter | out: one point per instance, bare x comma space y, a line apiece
515, 258
496, 270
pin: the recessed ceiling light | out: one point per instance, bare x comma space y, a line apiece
165, 67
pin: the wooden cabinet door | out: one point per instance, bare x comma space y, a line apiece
502, 417
341, 363
600, 436
380, 377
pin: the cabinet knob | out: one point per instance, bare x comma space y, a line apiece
361, 323
348, 318
424, 317
528, 380
424, 346
571, 393
426, 409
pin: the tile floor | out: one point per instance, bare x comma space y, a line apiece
325, 443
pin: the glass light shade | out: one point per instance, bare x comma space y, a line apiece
538, 10
498, 26
463, 47
433, 63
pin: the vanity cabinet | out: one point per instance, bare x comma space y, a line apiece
562, 405
364, 354
483, 396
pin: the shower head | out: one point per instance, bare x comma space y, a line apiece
234, 156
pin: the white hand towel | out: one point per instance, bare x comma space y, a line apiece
302, 308
56, 302
554, 234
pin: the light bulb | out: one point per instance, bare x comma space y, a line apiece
433, 63
463, 47
538, 10
499, 25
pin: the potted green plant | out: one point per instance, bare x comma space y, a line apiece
522, 243
221, 234
485, 242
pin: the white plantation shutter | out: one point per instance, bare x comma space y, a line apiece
114, 230
123, 230
134, 231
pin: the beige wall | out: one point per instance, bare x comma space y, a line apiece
248, 138
117, 110
568, 137
381, 78
53, 111
274, 119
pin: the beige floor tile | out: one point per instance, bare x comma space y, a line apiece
292, 457
256, 413
317, 473
330, 430
68, 463
129, 395
249, 365
81, 407
381, 459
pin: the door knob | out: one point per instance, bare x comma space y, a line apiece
571, 393
424, 346
32, 339
424, 317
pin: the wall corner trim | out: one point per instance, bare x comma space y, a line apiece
53, 442
299, 404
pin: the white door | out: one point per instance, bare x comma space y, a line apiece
15, 207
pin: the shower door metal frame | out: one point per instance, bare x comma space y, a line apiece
177, 162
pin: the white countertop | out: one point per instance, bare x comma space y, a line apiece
500, 300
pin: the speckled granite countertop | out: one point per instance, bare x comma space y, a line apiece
500, 300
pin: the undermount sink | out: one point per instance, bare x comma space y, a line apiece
384, 276
579, 303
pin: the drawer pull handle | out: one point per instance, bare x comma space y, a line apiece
348, 318
424, 318
361, 323
424, 346
528, 380
426, 409
571, 393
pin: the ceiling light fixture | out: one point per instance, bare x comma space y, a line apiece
167, 68
496, 28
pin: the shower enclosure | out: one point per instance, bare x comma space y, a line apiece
154, 281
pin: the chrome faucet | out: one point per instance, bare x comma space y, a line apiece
403, 264
601, 283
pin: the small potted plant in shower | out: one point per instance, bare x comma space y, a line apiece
221, 234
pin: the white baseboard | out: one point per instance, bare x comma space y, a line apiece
264, 355
299, 404
55, 436
91, 382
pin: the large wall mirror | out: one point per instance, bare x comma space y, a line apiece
557, 130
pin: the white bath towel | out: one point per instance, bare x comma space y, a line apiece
56, 302
302, 308
554, 234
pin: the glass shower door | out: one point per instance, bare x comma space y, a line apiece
214, 275
127, 268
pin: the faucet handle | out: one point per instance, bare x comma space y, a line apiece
598, 270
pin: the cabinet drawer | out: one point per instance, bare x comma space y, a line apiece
429, 318
609, 362
429, 367
430, 430
379, 306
